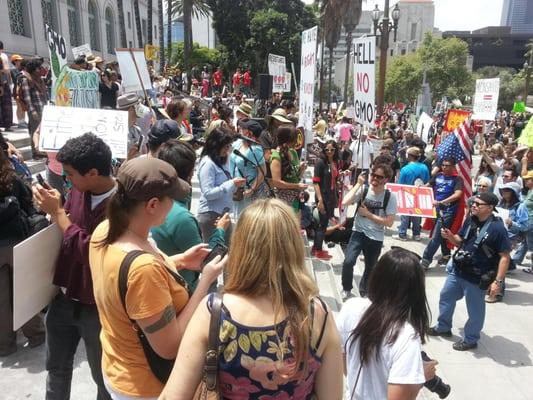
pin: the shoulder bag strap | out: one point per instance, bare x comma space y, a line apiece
211, 356
123, 276
323, 327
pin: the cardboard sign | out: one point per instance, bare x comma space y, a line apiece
76, 88
133, 69
454, 118
34, 264
414, 201
83, 50
307, 82
365, 80
277, 68
59, 124
57, 48
486, 99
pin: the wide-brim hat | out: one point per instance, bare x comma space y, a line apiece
280, 115
245, 108
529, 175
127, 100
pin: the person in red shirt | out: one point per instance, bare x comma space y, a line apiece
217, 80
247, 82
237, 81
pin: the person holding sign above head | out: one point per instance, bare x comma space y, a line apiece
72, 314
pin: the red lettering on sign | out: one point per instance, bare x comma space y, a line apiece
363, 82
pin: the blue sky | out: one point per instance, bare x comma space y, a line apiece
454, 15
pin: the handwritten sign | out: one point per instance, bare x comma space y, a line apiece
76, 88
413, 201
277, 68
59, 124
307, 82
58, 54
454, 118
486, 99
83, 50
365, 80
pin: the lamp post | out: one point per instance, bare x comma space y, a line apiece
527, 69
384, 27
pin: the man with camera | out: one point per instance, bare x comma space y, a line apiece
479, 264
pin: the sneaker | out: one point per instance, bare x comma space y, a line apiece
425, 264
22, 125
323, 255
493, 299
400, 237
417, 238
347, 294
461, 345
36, 341
434, 332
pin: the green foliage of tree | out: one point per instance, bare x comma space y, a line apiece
200, 55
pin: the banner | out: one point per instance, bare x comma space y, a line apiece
58, 54
59, 124
454, 118
133, 69
486, 99
307, 82
75, 88
365, 80
277, 68
413, 201
83, 50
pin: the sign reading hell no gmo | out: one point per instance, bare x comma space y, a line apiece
365, 80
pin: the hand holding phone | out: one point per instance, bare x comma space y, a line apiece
42, 182
218, 250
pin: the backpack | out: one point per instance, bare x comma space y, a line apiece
383, 206
16, 224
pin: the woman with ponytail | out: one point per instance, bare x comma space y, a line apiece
277, 337
382, 335
144, 296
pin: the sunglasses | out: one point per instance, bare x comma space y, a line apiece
376, 176
478, 204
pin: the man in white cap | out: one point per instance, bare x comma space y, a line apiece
128, 102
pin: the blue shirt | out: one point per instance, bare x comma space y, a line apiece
413, 171
446, 185
240, 168
216, 187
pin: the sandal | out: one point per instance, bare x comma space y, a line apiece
528, 270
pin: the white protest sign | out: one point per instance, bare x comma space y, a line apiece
287, 85
58, 54
307, 82
365, 80
486, 99
59, 124
83, 50
34, 264
133, 69
424, 126
277, 68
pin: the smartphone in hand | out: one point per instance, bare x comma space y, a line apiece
42, 182
218, 250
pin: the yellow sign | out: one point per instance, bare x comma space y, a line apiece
526, 137
151, 52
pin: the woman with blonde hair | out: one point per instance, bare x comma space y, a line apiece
277, 338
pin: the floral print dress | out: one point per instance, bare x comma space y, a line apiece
254, 362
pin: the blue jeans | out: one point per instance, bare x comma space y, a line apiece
67, 321
371, 249
404, 225
525, 246
437, 240
455, 288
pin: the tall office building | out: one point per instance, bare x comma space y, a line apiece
518, 14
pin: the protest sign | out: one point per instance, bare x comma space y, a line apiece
134, 71
151, 52
414, 201
32, 277
59, 124
307, 82
75, 88
425, 122
83, 50
365, 80
519, 107
454, 118
486, 99
287, 85
57, 48
277, 68
526, 137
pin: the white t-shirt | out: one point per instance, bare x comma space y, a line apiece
399, 363
362, 157
98, 198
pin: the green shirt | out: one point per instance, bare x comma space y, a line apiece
180, 232
294, 176
529, 204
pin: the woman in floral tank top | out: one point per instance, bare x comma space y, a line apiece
277, 338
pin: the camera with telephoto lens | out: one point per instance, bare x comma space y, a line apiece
436, 385
463, 260
486, 279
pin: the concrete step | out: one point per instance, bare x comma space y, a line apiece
37, 166
26, 152
19, 138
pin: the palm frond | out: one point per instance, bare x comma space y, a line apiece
200, 8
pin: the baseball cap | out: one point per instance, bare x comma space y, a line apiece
163, 130
251, 125
144, 178
16, 57
529, 175
489, 198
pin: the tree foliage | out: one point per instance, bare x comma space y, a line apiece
200, 55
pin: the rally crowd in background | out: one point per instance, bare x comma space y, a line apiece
134, 282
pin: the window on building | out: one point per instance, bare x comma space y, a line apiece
93, 26
74, 30
110, 30
413, 30
129, 20
144, 30
155, 31
18, 17
403, 52
49, 9
130, 44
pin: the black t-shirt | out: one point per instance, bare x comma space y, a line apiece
108, 96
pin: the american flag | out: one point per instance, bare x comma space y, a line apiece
459, 146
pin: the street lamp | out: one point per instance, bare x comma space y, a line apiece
527, 70
384, 27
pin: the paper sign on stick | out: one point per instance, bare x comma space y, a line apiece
277, 68
34, 264
486, 99
307, 82
83, 50
287, 85
365, 80
59, 124
414, 201
130, 61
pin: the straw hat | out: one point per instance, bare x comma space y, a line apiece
280, 115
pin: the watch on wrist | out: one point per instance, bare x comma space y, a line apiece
499, 282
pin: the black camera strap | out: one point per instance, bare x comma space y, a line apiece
480, 236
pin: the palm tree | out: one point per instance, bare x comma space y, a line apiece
332, 33
138, 22
149, 33
122, 25
160, 12
188, 9
169, 30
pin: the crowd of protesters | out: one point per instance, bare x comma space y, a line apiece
135, 283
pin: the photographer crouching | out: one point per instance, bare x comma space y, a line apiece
479, 264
